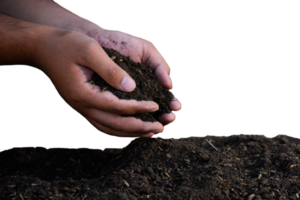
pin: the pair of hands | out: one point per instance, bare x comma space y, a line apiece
70, 58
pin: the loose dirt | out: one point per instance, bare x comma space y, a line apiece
148, 87
237, 167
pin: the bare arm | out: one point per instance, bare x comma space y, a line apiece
18, 40
45, 12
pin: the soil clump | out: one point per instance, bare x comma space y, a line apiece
244, 167
148, 87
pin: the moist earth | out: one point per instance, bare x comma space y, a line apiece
148, 88
248, 167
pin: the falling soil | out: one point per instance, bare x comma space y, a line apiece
148, 87
236, 167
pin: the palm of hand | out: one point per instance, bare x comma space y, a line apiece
140, 50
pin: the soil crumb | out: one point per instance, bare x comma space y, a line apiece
248, 167
148, 88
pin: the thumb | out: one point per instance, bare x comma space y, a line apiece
114, 75
127, 84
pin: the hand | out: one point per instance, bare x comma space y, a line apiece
141, 51
69, 59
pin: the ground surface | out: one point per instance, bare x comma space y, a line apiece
241, 167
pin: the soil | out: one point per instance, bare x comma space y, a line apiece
236, 167
148, 87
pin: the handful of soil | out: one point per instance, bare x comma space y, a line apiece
148, 87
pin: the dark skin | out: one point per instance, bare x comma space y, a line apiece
69, 60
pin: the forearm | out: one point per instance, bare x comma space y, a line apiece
19, 40
46, 12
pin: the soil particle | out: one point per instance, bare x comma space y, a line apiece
148, 88
149, 168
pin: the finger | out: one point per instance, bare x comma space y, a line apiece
176, 105
110, 131
154, 59
96, 59
95, 99
168, 118
124, 124
163, 77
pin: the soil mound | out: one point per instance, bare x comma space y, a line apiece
236, 167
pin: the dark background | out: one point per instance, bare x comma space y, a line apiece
33, 115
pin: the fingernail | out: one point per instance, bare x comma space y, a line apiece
148, 135
157, 131
153, 107
127, 84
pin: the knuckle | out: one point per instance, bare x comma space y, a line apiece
112, 74
118, 109
136, 124
90, 47
117, 125
143, 127
76, 97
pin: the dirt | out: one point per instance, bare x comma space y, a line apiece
237, 167
148, 87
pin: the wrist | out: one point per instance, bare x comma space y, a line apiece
83, 26
19, 41
42, 12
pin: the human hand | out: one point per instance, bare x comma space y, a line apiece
69, 59
139, 50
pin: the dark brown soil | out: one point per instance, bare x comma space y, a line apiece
148, 87
241, 167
